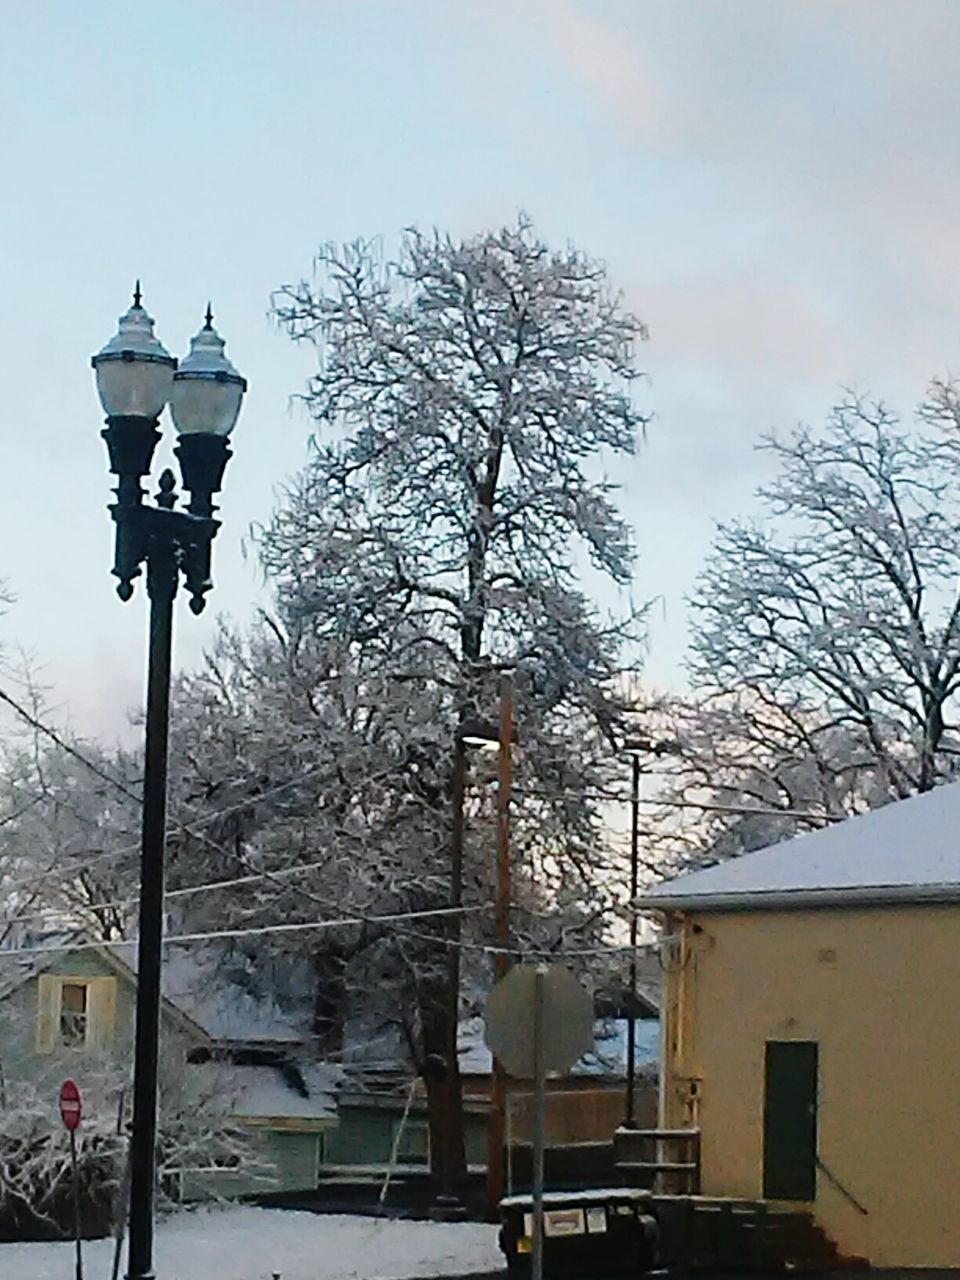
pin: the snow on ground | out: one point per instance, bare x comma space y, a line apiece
253, 1244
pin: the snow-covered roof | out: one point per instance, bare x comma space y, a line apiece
19, 966
908, 851
265, 1092
197, 984
607, 1058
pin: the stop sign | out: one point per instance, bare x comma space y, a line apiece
511, 1012
70, 1105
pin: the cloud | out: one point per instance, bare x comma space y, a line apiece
821, 145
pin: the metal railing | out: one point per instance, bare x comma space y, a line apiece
667, 1160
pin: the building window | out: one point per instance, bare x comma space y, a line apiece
73, 1013
414, 1144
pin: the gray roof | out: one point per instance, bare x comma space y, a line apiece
907, 851
264, 1092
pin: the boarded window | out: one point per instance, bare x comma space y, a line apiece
73, 1014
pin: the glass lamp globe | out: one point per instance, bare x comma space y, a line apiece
134, 370
207, 389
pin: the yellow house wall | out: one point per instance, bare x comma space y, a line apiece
879, 990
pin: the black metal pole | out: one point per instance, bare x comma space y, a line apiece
77, 1233
630, 1120
162, 586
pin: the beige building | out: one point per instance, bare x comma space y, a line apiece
812, 1027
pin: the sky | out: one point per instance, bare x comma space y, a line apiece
775, 187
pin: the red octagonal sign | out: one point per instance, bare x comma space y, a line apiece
70, 1105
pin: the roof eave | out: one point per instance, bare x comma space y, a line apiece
801, 899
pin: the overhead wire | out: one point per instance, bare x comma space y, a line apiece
703, 806
190, 829
246, 931
187, 891
68, 748
81, 862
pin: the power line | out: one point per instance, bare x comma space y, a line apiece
80, 862
704, 806
248, 931
72, 751
186, 892
190, 828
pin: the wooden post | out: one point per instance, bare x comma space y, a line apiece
501, 960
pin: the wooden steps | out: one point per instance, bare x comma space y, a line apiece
708, 1233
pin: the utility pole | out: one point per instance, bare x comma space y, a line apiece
501, 960
452, 1156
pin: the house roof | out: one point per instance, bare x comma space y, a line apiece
906, 852
263, 1092
195, 981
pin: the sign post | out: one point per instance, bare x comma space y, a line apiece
71, 1111
539, 1119
539, 1019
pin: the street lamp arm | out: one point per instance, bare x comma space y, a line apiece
144, 532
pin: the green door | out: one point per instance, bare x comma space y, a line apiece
790, 1120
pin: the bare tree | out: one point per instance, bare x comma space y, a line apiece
68, 836
826, 636
467, 398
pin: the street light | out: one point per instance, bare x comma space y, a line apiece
636, 749
136, 376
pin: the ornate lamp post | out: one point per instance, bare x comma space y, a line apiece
136, 377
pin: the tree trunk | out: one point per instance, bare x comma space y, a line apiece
448, 1164
448, 1160
329, 1000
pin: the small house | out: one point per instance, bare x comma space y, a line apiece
67, 1008
812, 1027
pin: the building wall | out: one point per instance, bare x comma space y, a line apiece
879, 991
292, 1157
295, 1156
575, 1113
102, 1068
360, 1136
364, 1135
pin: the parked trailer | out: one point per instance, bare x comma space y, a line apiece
603, 1230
